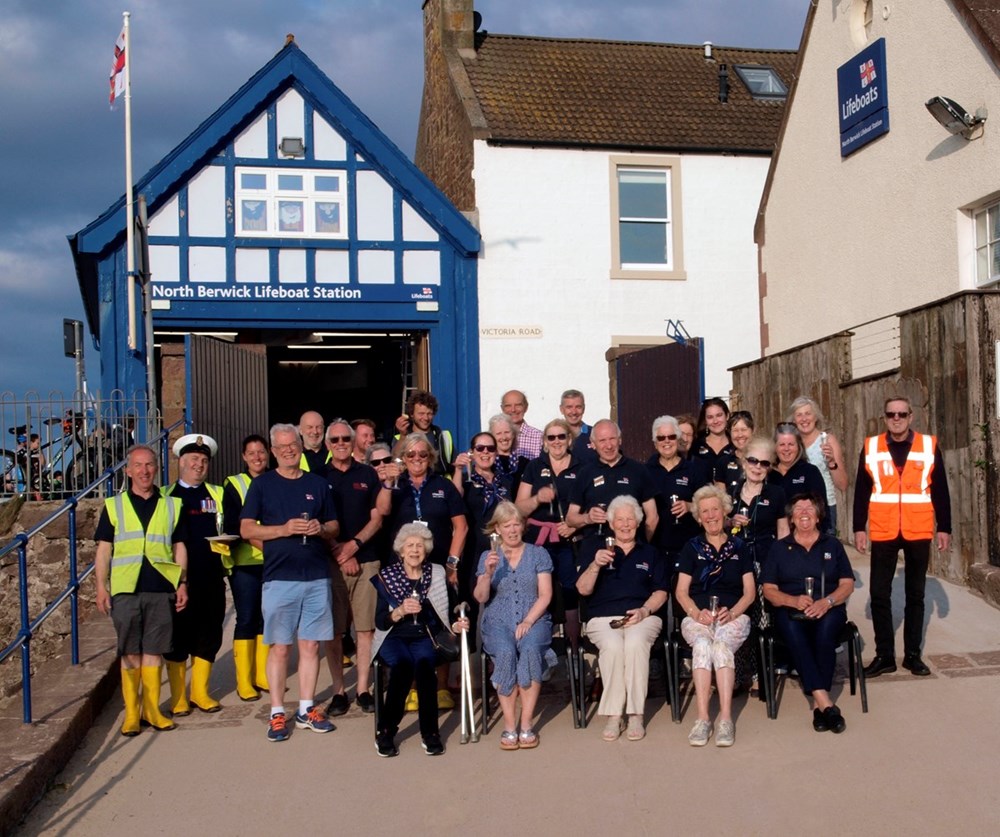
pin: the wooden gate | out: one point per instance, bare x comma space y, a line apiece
651, 382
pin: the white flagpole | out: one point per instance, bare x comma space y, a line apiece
129, 191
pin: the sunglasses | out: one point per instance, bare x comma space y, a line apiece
670, 437
753, 460
485, 448
889, 414
554, 437
414, 454
333, 440
376, 462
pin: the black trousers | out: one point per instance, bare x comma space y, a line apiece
916, 556
198, 628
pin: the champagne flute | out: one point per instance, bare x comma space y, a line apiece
809, 585
713, 608
304, 516
600, 526
609, 544
399, 464
495, 542
415, 595
673, 502
218, 522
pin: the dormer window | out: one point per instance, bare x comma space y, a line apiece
762, 82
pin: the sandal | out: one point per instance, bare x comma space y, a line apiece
508, 740
528, 739
613, 728
636, 730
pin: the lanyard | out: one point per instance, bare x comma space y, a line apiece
416, 499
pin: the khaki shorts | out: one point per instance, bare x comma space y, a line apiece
363, 596
341, 600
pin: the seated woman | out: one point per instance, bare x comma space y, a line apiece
514, 583
810, 622
624, 587
413, 606
714, 566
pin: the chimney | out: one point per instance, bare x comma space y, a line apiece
457, 25
708, 51
723, 83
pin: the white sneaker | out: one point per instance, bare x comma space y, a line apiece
700, 733
725, 734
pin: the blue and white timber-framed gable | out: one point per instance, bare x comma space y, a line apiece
288, 209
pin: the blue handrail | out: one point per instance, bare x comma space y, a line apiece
72, 589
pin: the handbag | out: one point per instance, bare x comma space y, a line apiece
446, 645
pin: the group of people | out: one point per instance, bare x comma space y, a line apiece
528, 527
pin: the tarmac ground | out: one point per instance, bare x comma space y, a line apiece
921, 761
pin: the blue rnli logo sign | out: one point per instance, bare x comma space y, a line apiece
863, 97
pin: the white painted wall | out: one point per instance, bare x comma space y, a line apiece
546, 225
888, 228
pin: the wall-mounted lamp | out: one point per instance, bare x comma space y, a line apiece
955, 118
292, 147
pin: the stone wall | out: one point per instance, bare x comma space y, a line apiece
48, 575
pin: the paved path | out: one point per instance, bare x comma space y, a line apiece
922, 761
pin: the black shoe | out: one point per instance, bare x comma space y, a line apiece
338, 706
385, 746
834, 720
366, 702
819, 721
432, 745
880, 665
916, 665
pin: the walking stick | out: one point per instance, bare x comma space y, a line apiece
467, 705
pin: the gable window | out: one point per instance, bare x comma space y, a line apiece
988, 245
304, 203
646, 242
762, 82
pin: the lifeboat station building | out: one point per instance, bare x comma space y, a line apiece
298, 261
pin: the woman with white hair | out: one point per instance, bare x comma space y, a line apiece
823, 450
508, 465
715, 589
625, 583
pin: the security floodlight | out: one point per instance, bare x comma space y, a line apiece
292, 147
955, 118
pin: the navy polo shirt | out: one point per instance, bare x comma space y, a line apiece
436, 503
789, 563
728, 585
539, 474
717, 462
682, 481
628, 583
274, 500
802, 478
600, 483
354, 493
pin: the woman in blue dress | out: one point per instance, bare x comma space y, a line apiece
514, 583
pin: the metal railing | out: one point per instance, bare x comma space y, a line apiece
102, 485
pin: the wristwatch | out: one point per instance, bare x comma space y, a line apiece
359, 542
452, 562
830, 600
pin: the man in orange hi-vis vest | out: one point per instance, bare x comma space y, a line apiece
900, 492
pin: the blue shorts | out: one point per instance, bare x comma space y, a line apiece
301, 609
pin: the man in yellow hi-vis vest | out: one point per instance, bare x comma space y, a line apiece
140, 550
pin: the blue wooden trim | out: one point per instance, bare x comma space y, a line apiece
272, 131
272, 265
183, 239
307, 121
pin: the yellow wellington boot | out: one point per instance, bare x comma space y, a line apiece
201, 670
243, 652
130, 691
151, 700
260, 667
177, 675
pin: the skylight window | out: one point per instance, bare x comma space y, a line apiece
762, 82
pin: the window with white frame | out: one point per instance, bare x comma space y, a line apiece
300, 203
762, 82
987, 222
646, 241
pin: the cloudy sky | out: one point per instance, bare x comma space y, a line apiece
62, 149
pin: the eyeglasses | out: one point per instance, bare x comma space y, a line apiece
554, 437
753, 460
417, 454
889, 414
670, 437
384, 461
291, 446
335, 439
485, 448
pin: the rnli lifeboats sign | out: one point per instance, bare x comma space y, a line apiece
864, 98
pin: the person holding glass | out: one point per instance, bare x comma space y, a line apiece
414, 603
514, 585
715, 589
624, 584
508, 463
807, 580
823, 450
543, 497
